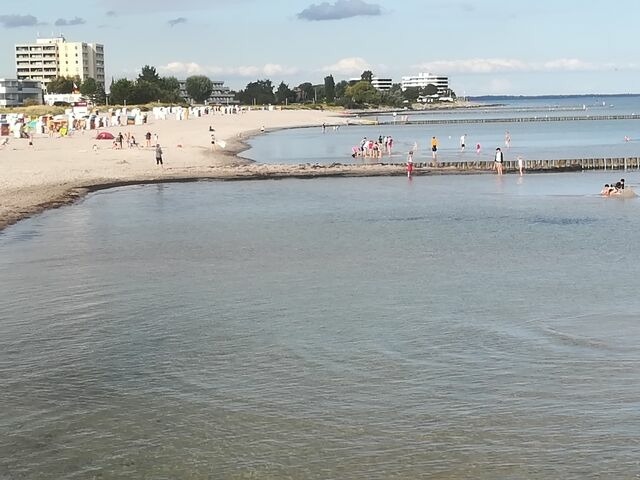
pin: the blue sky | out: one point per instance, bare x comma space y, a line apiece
515, 47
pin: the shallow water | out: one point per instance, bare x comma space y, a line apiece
548, 140
445, 327
532, 141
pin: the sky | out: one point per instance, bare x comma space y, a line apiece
485, 47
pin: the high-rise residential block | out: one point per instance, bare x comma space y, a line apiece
49, 58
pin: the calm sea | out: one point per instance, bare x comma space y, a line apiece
531, 140
369, 328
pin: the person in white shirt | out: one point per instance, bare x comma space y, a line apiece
498, 160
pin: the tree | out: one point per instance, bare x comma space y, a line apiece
100, 96
392, 98
329, 89
363, 93
341, 86
367, 76
60, 85
306, 92
199, 88
259, 92
430, 89
145, 92
121, 91
89, 87
149, 74
396, 88
411, 94
318, 93
170, 87
284, 94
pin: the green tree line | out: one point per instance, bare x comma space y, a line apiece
149, 87
354, 94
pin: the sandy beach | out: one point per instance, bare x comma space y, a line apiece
58, 170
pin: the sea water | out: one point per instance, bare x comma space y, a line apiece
531, 140
363, 328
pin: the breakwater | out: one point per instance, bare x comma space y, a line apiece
574, 164
562, 118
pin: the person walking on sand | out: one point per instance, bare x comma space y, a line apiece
410, 164
158, 155
463, 140
147, 137
499, 158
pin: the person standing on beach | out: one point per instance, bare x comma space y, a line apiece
434, 150
463, 140
158, 155
147, 137
120, 139
499, 158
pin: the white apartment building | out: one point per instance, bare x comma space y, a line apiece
424, 79
382, 84
13, 92
49, 58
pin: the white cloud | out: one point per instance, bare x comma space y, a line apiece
275, 69
504, 65
348, 66
339, 10
192, 68
15, 21
180, 67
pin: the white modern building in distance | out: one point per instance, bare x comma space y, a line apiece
424, 79
382, 84
49, 58
14, 93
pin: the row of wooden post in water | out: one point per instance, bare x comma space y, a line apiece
576, 164
564, 118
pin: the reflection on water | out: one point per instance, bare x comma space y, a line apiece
449, 327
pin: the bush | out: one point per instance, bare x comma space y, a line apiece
30, 102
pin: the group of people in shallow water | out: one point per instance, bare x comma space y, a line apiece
373, 148
613, 189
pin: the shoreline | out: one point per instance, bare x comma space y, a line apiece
56, 172
72, 193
